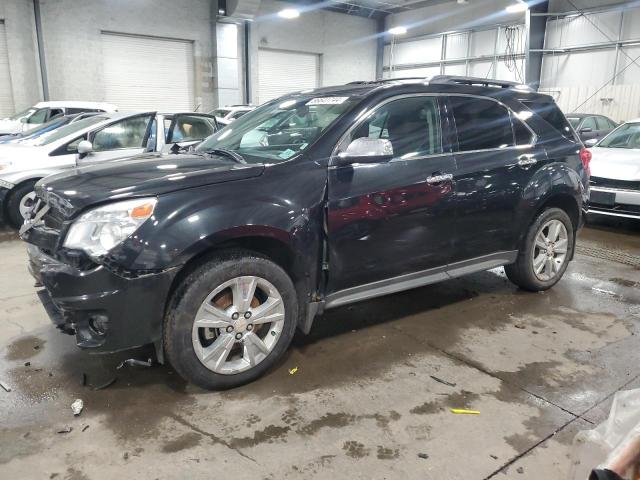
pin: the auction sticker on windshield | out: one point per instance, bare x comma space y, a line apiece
327, 100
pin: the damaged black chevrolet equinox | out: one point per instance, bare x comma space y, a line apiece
314, 200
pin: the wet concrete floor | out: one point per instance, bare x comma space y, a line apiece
365, 401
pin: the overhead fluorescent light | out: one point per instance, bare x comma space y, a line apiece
289, 13
517, 7
398, 30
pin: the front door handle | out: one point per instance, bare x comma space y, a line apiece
526, 160
439, 178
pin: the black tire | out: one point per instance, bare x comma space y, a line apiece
189, 296
14, 216
521, 272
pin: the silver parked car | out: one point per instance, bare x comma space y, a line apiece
102, 137
615, 173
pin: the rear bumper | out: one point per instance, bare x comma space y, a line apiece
105, 311
626, 203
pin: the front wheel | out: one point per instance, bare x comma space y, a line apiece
19, 204
230, 321
546, 252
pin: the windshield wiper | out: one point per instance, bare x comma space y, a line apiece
236, 157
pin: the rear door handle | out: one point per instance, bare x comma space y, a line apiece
439, 178
526, 160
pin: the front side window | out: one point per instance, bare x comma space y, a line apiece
625, 136
280, 129
574, 122
127, 133
590, 123
481, 124
191, 127
412, 125
71, 128
22, 114
39, 116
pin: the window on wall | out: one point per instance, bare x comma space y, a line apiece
481, 124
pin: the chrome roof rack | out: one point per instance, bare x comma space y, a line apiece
481, 82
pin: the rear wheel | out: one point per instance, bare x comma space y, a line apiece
230, 321
19, 204
547, 249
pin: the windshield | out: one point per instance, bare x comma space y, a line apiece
22, 114
625, 136
279, 129
72, 128
45, 127
574, 121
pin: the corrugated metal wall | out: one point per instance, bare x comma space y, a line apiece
592, 68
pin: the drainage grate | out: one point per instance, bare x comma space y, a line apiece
611, 255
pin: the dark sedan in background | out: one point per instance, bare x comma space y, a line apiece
591, 127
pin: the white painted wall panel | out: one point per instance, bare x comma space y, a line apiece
582, 30
482, 69
619, 102
457, 45
482, 43
7, 106
518, 39
631, 24
593, 68
455, 69
629, 71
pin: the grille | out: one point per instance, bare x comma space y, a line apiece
610, 183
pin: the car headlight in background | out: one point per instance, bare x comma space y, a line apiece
99, 230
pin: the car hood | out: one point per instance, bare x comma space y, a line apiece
615, 163
143, 175
10, 126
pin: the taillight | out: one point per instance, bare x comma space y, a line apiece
585, 156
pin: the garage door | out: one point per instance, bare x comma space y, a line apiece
142, 73
283, 72
6, 95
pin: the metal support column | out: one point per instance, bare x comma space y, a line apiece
40, 41
535, 27
380, 36
247, 61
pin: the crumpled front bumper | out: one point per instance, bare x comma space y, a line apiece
106, 311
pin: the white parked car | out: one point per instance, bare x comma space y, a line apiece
615, 173
44, 111
226, 115
98, 138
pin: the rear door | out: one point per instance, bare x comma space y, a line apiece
392, 218
496, 156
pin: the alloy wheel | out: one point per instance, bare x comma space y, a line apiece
26, 203
238, 325
550, 250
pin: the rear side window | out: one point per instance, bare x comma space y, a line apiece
191, 127
481, 124
521, 132
549, 111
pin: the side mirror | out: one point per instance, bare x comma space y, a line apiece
366, 150
586, 130
24, 120
84, 148
591, 142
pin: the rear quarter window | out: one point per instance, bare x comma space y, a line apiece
550, 113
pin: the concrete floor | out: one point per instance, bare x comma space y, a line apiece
363, 403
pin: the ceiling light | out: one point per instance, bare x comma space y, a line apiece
289, 13
398, 30
517, 7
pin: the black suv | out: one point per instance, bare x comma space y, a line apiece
312, 201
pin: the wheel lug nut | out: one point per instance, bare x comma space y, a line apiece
247, 314
230, 328
249, 327
235, 316
238, 335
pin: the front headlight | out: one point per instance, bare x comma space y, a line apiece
99, 230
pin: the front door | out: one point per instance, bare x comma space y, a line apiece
496, 158
121, 139
392, 218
